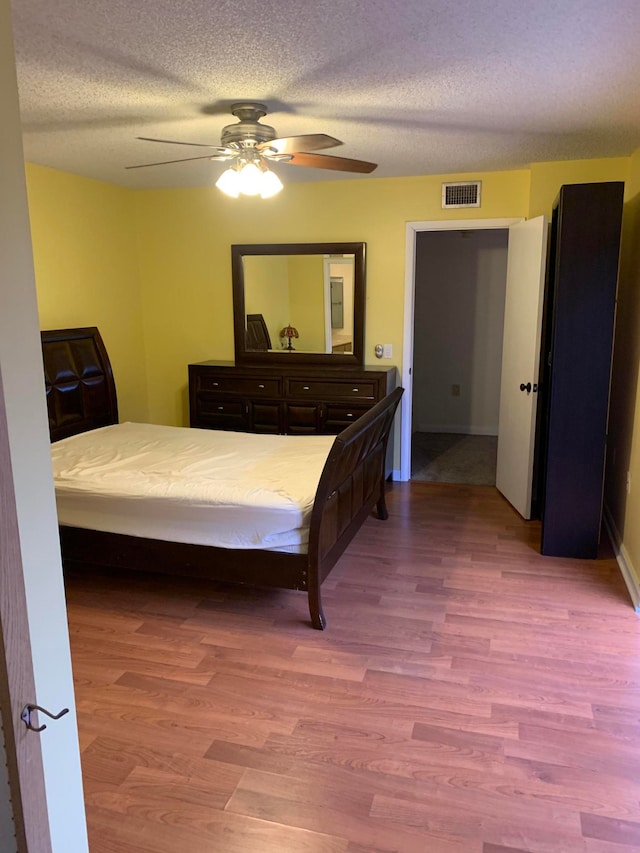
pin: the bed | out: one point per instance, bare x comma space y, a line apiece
81, 397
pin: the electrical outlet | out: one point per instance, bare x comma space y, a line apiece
455, 390
387, 350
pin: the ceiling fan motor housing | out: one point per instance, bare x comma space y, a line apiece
248, 129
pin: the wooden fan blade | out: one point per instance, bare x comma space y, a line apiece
304, 142
326, 161
166, 162
175, 142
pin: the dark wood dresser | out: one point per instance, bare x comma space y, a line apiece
296, 400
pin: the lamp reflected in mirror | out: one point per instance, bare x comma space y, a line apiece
288, 333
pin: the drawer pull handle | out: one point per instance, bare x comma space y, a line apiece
215, 384
305, 387
260, 386
221, 408
349, 415
355, 389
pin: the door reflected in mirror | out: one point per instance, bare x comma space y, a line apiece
301, 301
311, 294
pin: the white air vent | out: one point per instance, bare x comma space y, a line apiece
461, 194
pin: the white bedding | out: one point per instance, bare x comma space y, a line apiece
207, 487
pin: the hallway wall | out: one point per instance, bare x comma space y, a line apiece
459, 315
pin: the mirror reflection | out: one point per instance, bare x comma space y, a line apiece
299, 302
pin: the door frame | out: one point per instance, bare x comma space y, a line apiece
326, 270
412, 230
328, 327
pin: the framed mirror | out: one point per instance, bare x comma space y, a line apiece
299, 303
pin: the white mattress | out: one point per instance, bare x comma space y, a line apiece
207, 487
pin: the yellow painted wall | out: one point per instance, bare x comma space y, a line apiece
547, 178
185, 263
624, 418
266, 292
85, 259
306, 286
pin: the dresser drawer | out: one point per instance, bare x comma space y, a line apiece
220, 414
339, 417
249, 386
331, 389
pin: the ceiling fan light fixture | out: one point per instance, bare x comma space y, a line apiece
271, 184
250, 179
229, 183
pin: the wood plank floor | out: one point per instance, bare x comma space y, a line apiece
467, 695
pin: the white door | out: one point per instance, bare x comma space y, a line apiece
520, 361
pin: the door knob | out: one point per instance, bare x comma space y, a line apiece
526, 387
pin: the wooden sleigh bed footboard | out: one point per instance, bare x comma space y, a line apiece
351, 484
79, 386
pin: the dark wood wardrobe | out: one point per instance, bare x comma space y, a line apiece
575, 369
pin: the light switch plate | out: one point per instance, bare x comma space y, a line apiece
387, 350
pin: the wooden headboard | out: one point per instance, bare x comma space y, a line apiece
81, 393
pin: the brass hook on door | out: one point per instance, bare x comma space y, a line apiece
25, 716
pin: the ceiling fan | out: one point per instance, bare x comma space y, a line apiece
252, 146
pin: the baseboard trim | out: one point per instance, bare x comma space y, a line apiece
456, 430
624, 562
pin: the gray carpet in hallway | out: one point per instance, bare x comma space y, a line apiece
451, 458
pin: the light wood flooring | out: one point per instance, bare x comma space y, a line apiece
467, 695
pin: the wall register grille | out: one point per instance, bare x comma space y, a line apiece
461, 194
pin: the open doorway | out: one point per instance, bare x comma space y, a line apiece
413, 230
524, 301
460, 284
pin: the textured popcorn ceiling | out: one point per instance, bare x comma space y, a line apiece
417, 86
